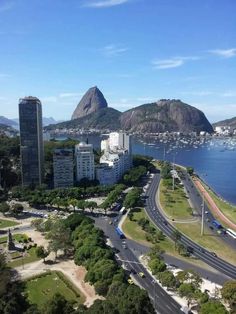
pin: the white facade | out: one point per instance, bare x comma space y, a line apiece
119, 140
84, 161
63, 168
105, 145
117, 158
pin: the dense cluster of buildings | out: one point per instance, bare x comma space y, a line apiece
225, 130
69, 165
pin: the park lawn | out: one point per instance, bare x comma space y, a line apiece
210, 241
133, 231
41, 288
227, 209
28, 258
16, 237
174, 202
4, 223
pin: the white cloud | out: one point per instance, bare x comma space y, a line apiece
70, 95
228, 94
104, 3
172, 62
146, 99
121, 106
224, 53
48, 99
113, 50
167, 63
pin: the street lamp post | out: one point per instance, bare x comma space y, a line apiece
173, 175
203, 210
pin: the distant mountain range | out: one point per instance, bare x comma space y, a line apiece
228, 122
8, 122
15, 122
161, 116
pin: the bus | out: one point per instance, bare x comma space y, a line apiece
217, 224
120, 233
231, 233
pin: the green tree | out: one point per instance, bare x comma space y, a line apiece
4, 207
176, 237
167, 279
157, 266
17, 208
228, 292
188, 291
132, 198
58, 304
41, 252
213, 306
59, 237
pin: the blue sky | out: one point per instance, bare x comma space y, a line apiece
135, 51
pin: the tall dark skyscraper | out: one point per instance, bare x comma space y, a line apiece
31, 140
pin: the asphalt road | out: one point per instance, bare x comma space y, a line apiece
163, 302
159, 220
197, 201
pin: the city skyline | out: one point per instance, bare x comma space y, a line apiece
151, 50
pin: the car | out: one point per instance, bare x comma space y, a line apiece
190, 249
207, 219
211, 227
130, 281
214, 254
206, 212
124, 246
133, 271
110, 222
202, 250
141, 274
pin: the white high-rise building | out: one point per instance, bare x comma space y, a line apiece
63, 168
119, 140
84, 161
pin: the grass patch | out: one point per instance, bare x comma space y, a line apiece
19, 237
4, 223
133, 230
174, 202
210, 241
41, 288
30, 256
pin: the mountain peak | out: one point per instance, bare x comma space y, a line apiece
92, 101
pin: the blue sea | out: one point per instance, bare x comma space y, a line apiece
214, 160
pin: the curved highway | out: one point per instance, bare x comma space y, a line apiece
159, 220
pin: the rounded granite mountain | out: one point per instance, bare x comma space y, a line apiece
165, 115
92, 101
